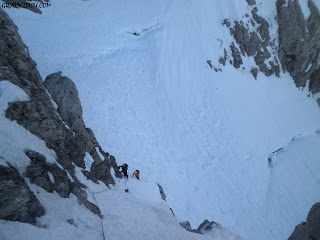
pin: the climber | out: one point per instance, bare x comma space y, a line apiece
124, 169
136, 174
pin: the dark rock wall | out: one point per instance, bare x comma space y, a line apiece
63, 131
17, 201
163, 195
299, 42
309, 230
65, 94
38, 171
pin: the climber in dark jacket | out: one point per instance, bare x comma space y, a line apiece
124, 169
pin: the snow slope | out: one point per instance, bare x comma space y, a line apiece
133, 217
125, 217
295, 168
154, 103
139, 214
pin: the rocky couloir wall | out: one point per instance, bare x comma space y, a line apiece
54, 114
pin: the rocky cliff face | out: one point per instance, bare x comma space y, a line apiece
299, 43
309, 230
65, 94
297, 49
17, 201
54, 114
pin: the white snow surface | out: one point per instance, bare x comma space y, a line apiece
88, 160
141, 211
137, 215
100, 154
305, 8
126, 216
154, 103
295, 168
51, 177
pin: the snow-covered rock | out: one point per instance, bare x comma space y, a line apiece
253, 38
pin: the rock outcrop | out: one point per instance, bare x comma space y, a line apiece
65, 94
162, 194
212, 229
206, 226
17, 201
62, 129
203, 227
38, 173
186, 225
309, 230
256, 43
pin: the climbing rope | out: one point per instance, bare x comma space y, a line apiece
103, 236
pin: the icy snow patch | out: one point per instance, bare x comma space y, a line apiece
317, 3
3, 163
53, 102
305, 8
143, 190
51, 177
101, 156
308, 68
88, 161
10, 93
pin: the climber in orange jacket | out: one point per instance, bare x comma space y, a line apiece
136, 174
